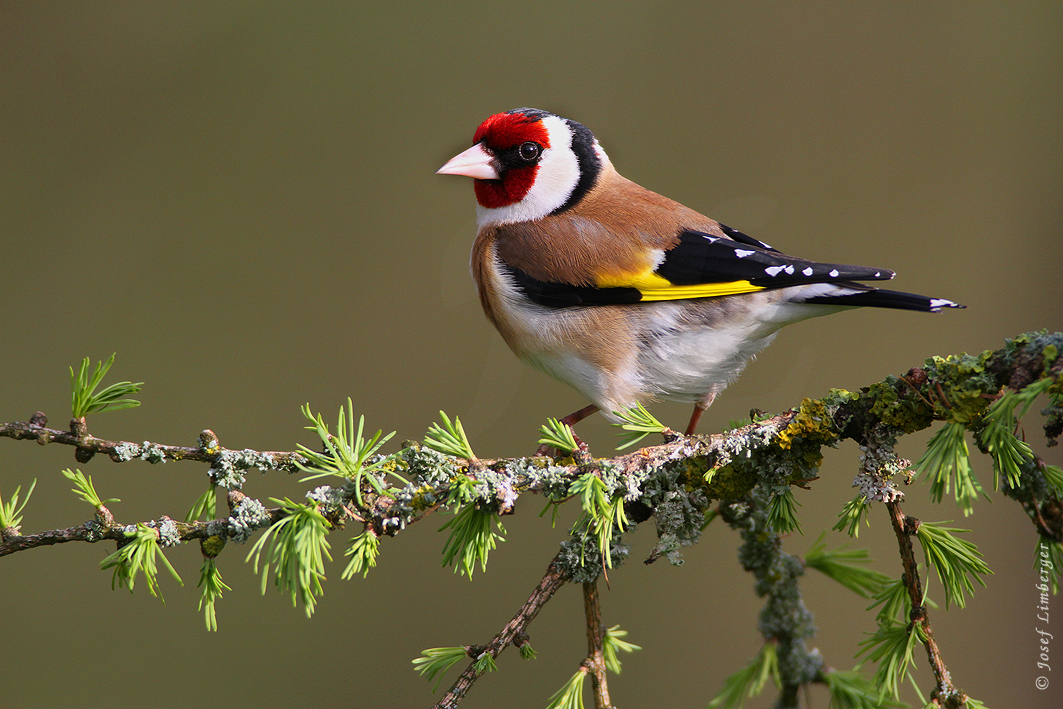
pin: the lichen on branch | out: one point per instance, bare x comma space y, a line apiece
744, 476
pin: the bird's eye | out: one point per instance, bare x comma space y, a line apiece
530, 151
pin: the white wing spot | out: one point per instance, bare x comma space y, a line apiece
834, 273
710, 239
807, 271
878, 274
789, 269
774, 270
742, 254
938, 303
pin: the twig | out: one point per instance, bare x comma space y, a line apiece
916, 374
376, 508
208, 450
723, 467
96, 531
1045, 513
515, 631
785, 621
595, 662
945, 693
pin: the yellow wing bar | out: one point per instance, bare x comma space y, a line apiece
655, 287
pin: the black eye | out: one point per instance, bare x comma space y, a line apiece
530, 151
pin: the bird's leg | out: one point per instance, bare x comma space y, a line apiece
571, 420
695, 416
577, 416
699, 409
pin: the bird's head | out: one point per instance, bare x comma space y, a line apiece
527, 164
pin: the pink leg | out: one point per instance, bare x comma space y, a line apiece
577, 416
571, 420
699, 409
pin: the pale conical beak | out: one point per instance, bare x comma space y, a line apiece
474, 162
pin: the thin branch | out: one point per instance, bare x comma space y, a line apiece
752, 462
97, 531
827, 421
208, 450
945, 693
376, 508
514, 632
785, 621
595, 662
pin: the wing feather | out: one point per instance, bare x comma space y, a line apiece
701, 258
700, 265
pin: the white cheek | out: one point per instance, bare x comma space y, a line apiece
555, 180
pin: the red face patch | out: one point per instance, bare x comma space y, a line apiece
506, 130
499, 133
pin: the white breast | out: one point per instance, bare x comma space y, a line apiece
684, 351
556, 341
684, 361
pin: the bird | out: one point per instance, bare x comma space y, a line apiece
622, 293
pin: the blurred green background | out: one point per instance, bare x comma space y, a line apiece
238, 198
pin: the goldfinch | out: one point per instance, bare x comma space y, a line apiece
622, 293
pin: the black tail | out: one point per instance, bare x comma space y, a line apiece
875, 298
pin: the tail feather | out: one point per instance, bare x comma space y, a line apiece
877, 298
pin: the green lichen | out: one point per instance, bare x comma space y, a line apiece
422, 498
784, 620
1051, 352
761, 455
726, 482
212, 546
908, 410
962, 379
812, 424
839, 396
